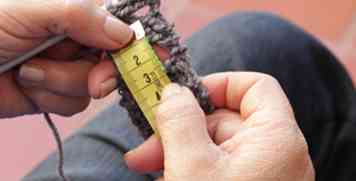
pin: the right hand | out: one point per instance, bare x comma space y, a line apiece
253, 136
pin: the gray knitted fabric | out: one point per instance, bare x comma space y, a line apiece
162, 33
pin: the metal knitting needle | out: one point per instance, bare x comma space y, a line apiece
23, 58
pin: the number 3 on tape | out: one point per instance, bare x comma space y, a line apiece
143, 73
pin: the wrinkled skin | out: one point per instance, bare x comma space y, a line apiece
252, 136
69, 75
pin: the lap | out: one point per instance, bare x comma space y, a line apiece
316, 84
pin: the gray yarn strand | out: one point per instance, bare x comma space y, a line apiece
159, 31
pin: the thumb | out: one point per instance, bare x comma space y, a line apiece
181, 123
82, 20
92, 25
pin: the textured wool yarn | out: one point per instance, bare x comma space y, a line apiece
159, 31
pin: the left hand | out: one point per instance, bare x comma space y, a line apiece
58, 80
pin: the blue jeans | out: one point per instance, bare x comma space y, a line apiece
317, 85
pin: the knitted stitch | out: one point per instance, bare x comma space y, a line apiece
162, 33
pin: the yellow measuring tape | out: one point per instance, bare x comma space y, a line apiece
143, 73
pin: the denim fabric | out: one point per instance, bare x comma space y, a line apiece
317, 85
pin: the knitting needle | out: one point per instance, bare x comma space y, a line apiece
23, 58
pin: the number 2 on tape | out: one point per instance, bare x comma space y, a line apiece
143, 73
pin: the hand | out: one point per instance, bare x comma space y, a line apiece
62, 79
253, 135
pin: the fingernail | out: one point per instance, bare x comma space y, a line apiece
32, 74
118, 31
127, 157
171, 90
131, 164
127, 154
107, 87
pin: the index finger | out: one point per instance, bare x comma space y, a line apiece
247, 92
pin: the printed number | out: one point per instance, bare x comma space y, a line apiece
137, 60
147, 78
158, 96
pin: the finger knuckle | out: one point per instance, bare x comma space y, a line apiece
179, 106
58, 20
174, 110
177, 116
169, 117
75, 11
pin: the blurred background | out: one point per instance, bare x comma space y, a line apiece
26, 141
